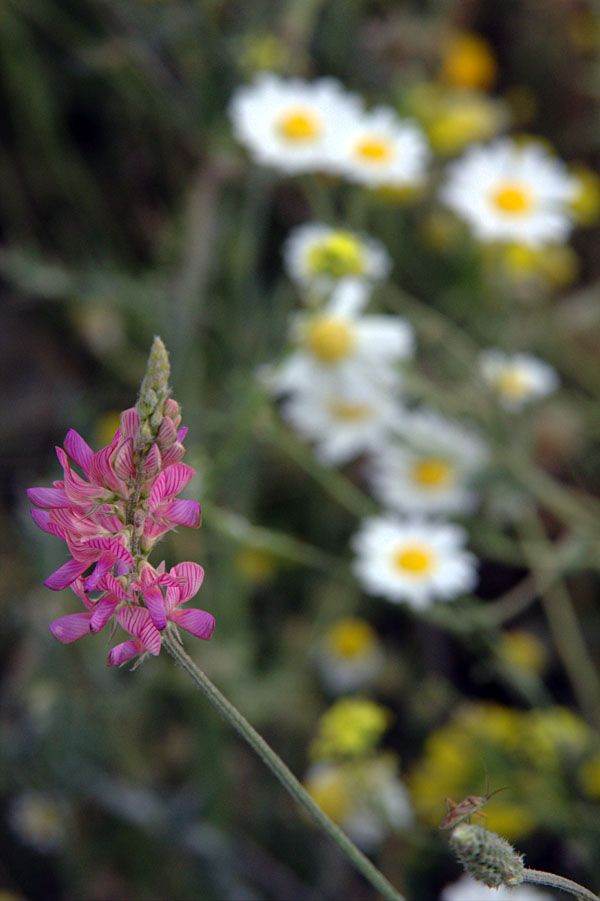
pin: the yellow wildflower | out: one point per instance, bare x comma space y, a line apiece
350, 728
468, 62
523, 650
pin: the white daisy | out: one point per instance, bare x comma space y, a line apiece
426, 466
467, 889
316, 253
349, 656
378, 148
339, 350
413, 561
511, 192
288, 123
517, 378
343, 423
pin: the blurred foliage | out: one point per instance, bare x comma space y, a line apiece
127, 210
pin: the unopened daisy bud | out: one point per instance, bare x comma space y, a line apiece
487, 856
154, 392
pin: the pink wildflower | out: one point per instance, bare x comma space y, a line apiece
112, 514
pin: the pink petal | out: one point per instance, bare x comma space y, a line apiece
79, 450
182, 433
125, 651
123, 460
170, 482
130, 423
153, 461
48, 497
110, 583
198, 622
184, 513
167, 433
189, 576
42, 519
102, 473
79, 588
156, 605
66, 574
106, 543
103, 611
70, 628
103, 566
173, 454
137, 621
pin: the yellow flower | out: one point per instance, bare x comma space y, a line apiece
328, 787
555, 265
350, 638
549, 735
468, 62
350, 728
523, 650
106, 426
512, 820
464, 117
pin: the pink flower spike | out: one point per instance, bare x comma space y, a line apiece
198, 622
65, 574
121, 653
48, 497
102, 473
70, 628
118, 550
79, 450
184, 513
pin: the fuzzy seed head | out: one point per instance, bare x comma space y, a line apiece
486, 856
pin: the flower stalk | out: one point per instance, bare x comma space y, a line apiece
272, 760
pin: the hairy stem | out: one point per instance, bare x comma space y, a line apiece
279, 769
539, 877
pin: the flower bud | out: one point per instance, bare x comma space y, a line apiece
487, 856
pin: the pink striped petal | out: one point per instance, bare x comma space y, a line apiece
153, 461
125, 651
130, 423
102, 473
184, 513
173, 454
123, 460
79, 450
189, 576
103, 611
48, 497
103, 566
182, 433
70, 628
79, 588
66, 574
110, 583
169, 483
137, 621
198, 622
42, 519
107, 543
153, 597
167, 433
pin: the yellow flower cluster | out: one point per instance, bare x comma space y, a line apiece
351, 728
528, 751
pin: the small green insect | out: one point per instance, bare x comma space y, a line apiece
464, 810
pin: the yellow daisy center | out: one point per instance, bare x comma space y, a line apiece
374, 150
347, 412
513, 198
298, 125
432, 472
329, 339
351, 638
414, 560
338, 255
512, 382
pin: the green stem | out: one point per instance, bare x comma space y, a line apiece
279, 769
539, 877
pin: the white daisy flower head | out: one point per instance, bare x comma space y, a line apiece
340, 350
509, 191
467, 889
349, 656
427, 465
317, 254
378, 148
288, 123
412, 561
517, 378
342, 422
